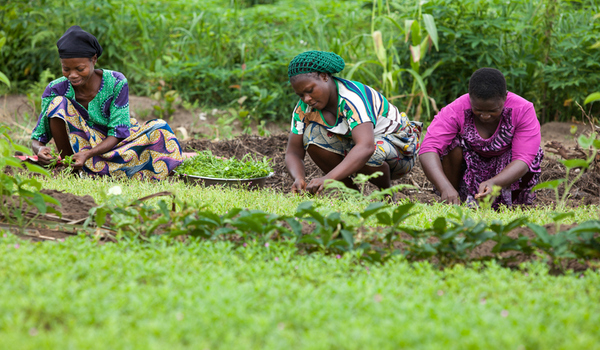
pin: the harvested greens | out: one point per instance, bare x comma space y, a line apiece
205, 164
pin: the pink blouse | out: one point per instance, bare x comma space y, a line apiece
450, 121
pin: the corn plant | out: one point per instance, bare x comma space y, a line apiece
3, 77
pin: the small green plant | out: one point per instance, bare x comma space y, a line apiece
587, 143
361, 181
167, 103
56, 160
19, 194
205, 164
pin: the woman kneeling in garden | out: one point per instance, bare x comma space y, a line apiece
346, 127
488, 137
87, 114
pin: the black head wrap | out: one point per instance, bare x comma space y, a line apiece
77, 43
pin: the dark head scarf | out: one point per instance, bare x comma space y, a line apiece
77, 43
316, 61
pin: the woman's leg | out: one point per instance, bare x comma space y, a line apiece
327, 160
384, 181
58, 128
452, 166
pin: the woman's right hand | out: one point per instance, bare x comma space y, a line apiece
299, 186
44, 155
450, 196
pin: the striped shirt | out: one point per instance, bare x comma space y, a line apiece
357, 104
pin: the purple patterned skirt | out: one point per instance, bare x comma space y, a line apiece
150, 152
479, 168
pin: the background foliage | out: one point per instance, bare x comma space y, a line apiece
235, 53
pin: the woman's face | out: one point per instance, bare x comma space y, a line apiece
487, 111
313, 89
78, 70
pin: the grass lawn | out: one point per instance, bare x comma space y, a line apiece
206, 295
78, 294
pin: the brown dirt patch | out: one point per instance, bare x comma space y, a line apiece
585, 191
74, 211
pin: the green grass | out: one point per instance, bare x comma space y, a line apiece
78, 294
221, 199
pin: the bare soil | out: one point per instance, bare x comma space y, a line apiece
585, 191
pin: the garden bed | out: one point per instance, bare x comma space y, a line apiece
585, 191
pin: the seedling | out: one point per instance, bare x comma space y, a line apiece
571, 164
205, 164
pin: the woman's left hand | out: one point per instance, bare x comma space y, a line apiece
79, 159
316, 186
485, 188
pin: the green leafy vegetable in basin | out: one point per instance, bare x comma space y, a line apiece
205, 164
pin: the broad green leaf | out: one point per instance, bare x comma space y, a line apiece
34, 168
587, 226
584, 141
539, 231
415, 33
50, 200
11, 161
38, 201
384, 218
22, 149
349, 237
421, 84
372, 209
407, 25
440, 224
4, 79
402, 212
592, 98
575, 163
431, 29
556, 217
553, 184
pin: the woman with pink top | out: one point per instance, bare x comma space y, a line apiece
488, 137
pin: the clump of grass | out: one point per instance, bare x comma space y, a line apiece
206, 164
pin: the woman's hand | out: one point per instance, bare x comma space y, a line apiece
513, 172
450, 196
432, 167
316, 186
485, 188
298, 186
79, 159
44, 155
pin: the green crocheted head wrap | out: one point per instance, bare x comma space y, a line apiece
315, 61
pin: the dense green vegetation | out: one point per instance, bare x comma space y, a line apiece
235, 53
256, 292
78, 294
205, 164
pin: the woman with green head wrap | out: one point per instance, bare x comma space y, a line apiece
345, 126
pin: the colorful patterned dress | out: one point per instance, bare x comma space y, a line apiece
397, 139
517, 136
149, 151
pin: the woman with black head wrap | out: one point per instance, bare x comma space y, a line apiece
87, 113
345, 126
